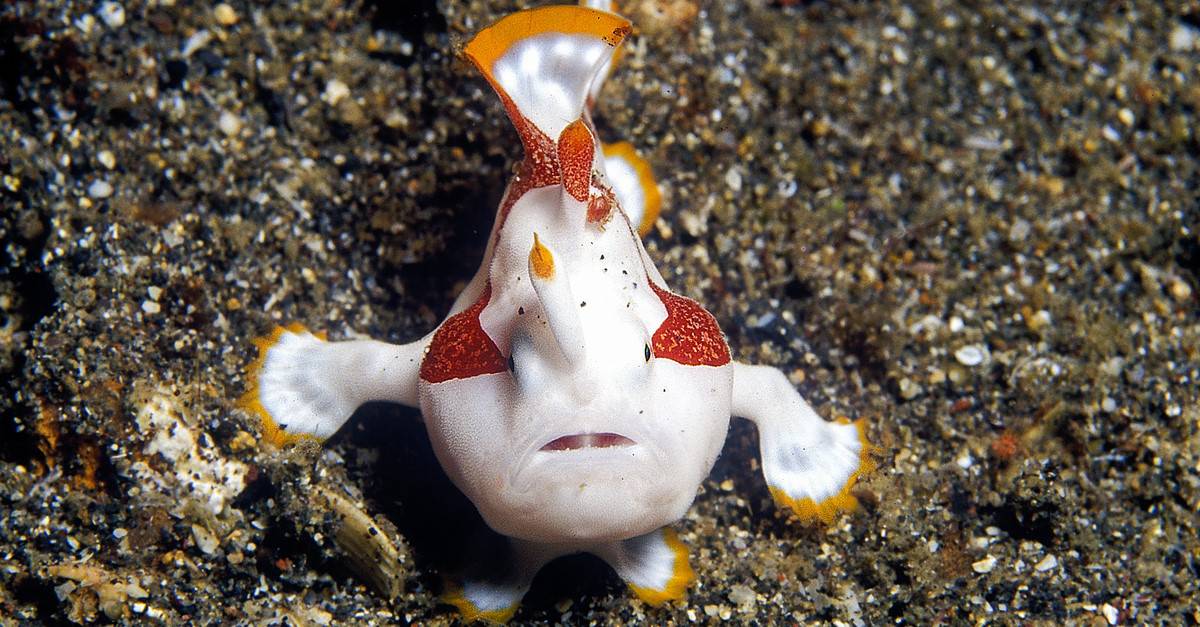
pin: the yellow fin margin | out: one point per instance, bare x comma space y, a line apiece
455, 596
626, 151
251, 402
492, 42
826, 510
681, 578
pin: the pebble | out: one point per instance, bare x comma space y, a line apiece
971, 355
229, 123
113, 14
733, 179
1019, 231
909, 389
225, 14
984, 565
1183, 38
151, 307
198, 40
1180, 291
106, 159
335, 90
1047, 563
205, 540
742, 595
1110, 614
1039, 320
100, 189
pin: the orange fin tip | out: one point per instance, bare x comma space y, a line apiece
808, 510
681, 577
454, 595
251, 402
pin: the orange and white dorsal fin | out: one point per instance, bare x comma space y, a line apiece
543, 63
634, 185
594, 91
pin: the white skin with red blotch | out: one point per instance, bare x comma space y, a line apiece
572, 397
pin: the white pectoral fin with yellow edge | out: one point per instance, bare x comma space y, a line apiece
495, 598
302, 386
809, 464
655, 565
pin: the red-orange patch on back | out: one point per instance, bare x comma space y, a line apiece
690, 334
576, 148
461, 348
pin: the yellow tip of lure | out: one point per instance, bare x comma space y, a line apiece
541, 260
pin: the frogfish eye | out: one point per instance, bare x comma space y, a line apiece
648, 353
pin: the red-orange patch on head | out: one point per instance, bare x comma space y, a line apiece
461, 349
690, 334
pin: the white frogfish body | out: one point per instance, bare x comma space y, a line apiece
570, 395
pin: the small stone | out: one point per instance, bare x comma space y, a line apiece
151, 307
1018, 231
742, 595
1126, 117
106, 159
956, 324
1108, 405
1180, 291
229, 123
1183, 38
225, 14
100, 189
909, 389
154, 292
198, 40
733, 179
984, 565
12, 183
1110, 614
971, 355
1047, 563
113, 14
335, 90
120, 532
1039, 320
205, 540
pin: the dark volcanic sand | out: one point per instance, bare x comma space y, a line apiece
973, 225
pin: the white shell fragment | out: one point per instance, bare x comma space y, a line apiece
971, 355
984, 565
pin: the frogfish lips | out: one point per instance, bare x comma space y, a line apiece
587, 440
